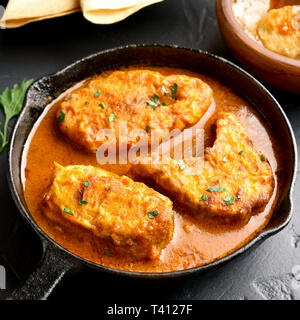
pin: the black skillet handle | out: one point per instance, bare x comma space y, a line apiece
53, 266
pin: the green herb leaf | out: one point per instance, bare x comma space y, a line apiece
152, 214
163, 104
174, 91
86, 102
181, 164
61, 116
229, 200
225, 159
83, 202
241, 152
68, 98
112, 117
148, 128
97, 93
101, 105
68, 211
216, 189
262, 158
12, 102
153, 102
164, 90
86, 183
204, 197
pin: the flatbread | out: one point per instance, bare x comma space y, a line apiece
110, 4
279, 31
19, 13
105, 12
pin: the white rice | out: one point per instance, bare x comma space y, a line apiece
249, 12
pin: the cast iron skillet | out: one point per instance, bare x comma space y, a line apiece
57, 261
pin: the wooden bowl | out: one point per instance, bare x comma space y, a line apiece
279, 71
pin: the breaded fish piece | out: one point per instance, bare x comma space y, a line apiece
232, 180
145, 99
136, 219
279, 31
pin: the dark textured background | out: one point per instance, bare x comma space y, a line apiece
44, 47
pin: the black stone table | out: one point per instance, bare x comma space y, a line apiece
44, 47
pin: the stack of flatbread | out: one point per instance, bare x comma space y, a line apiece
21, 12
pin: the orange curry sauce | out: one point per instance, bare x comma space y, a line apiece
196, 241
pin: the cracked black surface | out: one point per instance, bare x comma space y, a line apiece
42, 48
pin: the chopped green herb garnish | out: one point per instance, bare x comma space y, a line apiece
174, 91
68, 98
163, 104
181, 164
68, 211
225, 159
152, 214
97, 93
11, 101
204, 197
148, 128
153, 102
101, 105
112, 117
82, 202
262, 158
62, 116
164, 90
86, 183
229, 200
86, 102
216, 189
241, 152
238, 197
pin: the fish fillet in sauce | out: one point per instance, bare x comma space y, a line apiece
129, 217
233, 181
144, 99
